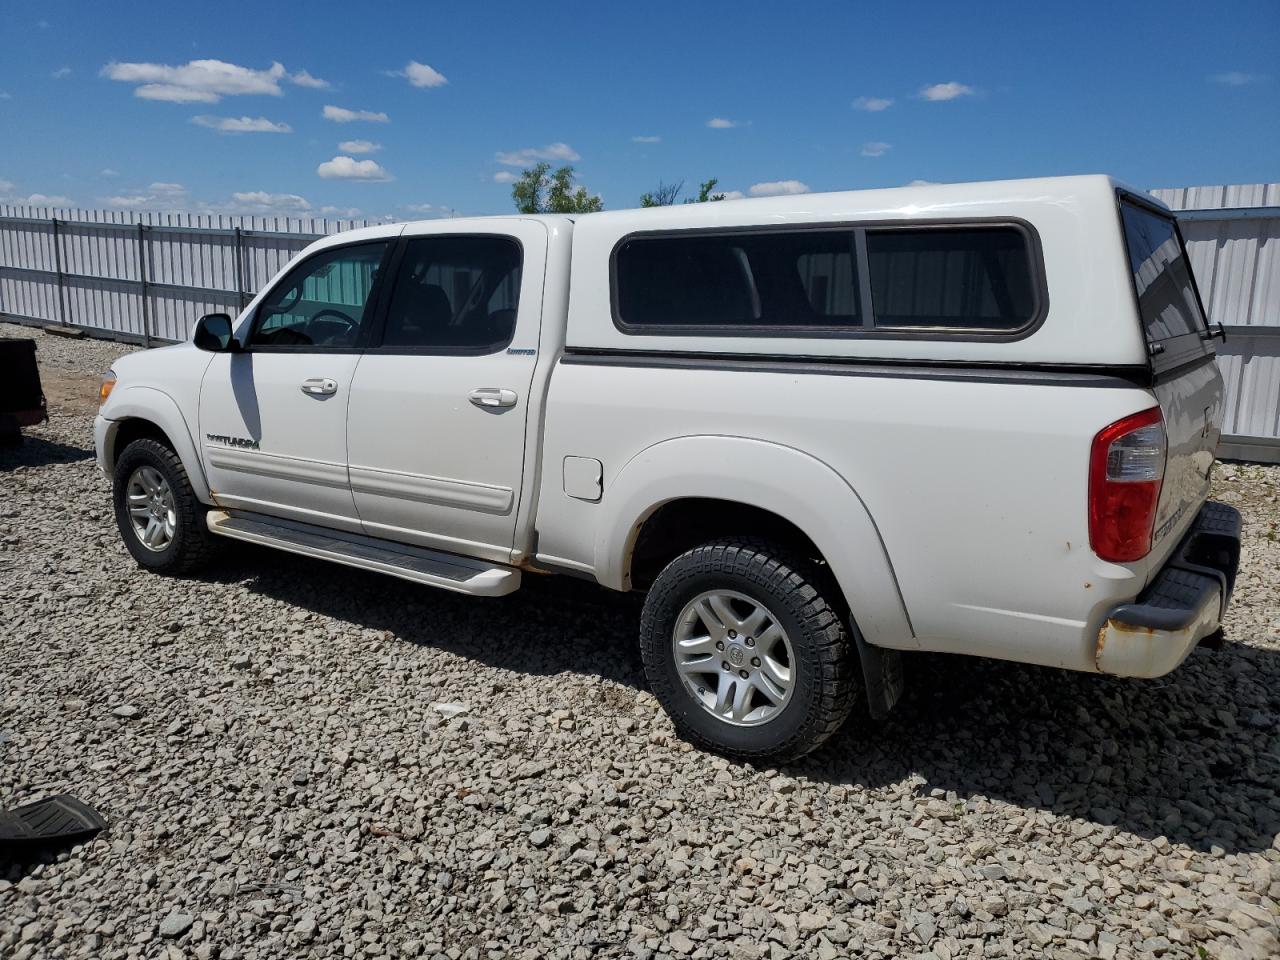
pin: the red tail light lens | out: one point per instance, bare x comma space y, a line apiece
1126, 469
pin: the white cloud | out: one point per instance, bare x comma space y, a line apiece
241, 124
6, 186
201, 81
262, 201
876, 148
174, 94
730, 194
42, 200
560, 152
1235, 78
359, 146
646, 139
505, 176
431, 211
61, 73
777, 188
108, 172
347, 168
343, 115
421, 75
127, 200
920, 183
873, 104
304, 79
722, 123
168, 189
347, 212
946, 91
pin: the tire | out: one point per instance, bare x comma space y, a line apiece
739, 577
189, 544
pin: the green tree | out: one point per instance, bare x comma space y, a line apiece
540, 190
669, 193
664, 196
704, 192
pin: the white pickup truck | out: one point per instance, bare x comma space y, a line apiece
817, 431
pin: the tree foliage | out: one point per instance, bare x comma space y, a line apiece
664, 196
541, 190
668, 193
704, 192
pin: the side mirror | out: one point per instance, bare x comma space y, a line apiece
213, 333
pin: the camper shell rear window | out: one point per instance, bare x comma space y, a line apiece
1168, 301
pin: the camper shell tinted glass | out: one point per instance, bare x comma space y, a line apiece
738, 280
945, 280
1168, 301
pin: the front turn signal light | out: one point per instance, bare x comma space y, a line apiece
108, 384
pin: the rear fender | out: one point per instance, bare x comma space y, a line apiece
773, 477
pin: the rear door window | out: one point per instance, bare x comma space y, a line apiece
454, 295
1167, 299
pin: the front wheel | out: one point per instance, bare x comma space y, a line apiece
743, 647
160, 519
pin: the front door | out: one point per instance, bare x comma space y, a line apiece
273, 417
437, 419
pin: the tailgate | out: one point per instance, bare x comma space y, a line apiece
1187, 384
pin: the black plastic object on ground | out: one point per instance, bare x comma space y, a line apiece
52, 822
21, 399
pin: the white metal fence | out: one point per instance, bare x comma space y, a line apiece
149, 276
141, 276
1233, 237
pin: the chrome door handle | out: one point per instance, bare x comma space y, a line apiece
492, 397
320, 386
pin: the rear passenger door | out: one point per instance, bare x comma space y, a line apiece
437, 415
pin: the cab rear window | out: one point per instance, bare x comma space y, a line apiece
1162, 278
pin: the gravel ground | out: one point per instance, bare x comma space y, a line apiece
298, 759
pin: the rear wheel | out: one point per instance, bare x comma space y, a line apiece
160, 519
743, 647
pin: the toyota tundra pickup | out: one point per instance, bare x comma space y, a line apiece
815, 431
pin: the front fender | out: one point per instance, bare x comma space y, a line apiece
156, 406
773, 477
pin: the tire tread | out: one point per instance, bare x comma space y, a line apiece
785, 576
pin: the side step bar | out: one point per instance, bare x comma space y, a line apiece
432, 567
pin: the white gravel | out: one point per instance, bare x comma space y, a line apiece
301, 760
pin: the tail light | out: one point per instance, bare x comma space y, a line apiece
1126, 469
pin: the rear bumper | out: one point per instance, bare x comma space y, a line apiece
1180, 607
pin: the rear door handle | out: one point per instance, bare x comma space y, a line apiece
492, 397
320, 386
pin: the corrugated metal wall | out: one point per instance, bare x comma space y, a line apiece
1233, 236
141, 276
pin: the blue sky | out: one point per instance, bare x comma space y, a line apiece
101, 104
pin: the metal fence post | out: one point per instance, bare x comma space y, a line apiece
142, 279
57, 266
240, 299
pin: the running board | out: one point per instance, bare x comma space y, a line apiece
432, 567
